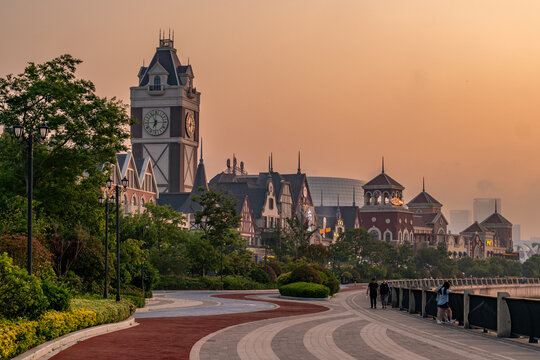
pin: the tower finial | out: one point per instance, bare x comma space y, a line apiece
169, 33
201, 150
299, 169
271, 162
338, 200
160, 35
354, 196
383, 164
423, 184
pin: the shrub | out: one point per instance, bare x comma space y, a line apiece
259, 275
212, 283
21, 294
284, 279
53, 324
328, 279
271, 273
138, 301
305, 273
276, 267
58, 297
107, 311
17, 336
304, 289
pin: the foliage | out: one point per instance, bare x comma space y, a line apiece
305, 273
304, 289
260, 275
19, 335
106, 310
284, 279
16, 246
58, 297
328, 279
211, 283
435, 263
276, 267
21, 294
531, 267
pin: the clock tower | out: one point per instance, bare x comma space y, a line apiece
165, 105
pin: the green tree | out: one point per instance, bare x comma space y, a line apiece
531, 267
435, 263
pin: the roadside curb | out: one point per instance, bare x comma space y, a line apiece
56, 345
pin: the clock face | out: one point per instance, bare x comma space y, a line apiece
156, 122
190, 125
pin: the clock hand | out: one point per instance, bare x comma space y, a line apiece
155, 121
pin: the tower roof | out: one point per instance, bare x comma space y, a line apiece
476, 227
424, 199
383, 180
496, 218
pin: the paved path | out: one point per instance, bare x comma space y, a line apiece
343, 328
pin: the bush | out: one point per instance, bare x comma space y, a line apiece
107, 311
138, 301
212, 283
271, 273
21, 294
58, 297
276, 267
329, 280
19, 335
305, 273
304, 289
284, 279
259, 275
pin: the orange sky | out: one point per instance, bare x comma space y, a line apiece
443, 89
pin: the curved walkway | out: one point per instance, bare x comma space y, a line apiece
343, 328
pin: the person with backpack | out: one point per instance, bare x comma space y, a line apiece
372, 290
384, 290
443, 306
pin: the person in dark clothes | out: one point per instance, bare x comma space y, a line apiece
384, 290
372, 290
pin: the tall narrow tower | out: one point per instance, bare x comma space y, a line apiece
165, 105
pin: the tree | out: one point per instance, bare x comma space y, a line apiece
435, 263
85, 130
297, 236
531, 267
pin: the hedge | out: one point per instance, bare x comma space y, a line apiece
304, 289
211, 283
19, 335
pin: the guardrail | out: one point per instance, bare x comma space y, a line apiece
458, 282
507, 316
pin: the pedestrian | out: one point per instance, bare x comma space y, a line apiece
372, 290
443, 307
384, 290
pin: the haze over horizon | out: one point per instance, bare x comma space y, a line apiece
445, 90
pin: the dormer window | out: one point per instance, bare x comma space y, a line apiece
157, 84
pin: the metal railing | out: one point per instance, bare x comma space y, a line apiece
462, 282
507, 316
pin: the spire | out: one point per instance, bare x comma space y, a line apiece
338, 200
201, 160
271, 163
383, 164
322, 197
354, 196
495, 206
299, 170
423, 185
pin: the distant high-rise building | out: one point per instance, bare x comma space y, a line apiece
516, 232
459, 220
483, 207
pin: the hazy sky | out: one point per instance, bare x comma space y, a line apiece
448, 90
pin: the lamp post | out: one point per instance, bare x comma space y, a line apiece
29, 139
117, 199
221, 265
106, 201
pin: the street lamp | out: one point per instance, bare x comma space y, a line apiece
106, 201
117, 198
18, 132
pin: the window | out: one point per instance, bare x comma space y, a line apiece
387, 236
157, 83
271, 204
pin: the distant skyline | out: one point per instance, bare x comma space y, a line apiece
445, 90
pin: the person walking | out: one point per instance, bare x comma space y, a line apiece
372, 290
384, 290
443, 306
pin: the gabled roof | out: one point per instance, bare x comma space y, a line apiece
422, 199
383, 180
424, 220
476, 227
256, 194
175, 200
496, 218
200, 178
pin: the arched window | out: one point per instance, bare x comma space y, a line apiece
376, 233
271, 204
377, 198
368, 198
406, 236
386, 198
387, 236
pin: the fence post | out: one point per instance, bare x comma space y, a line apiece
466, 305
424, 301
412, 305
400, 303
395, 297
504, 323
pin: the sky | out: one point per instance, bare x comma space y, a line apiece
446, 90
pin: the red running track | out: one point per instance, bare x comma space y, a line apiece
173, 337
